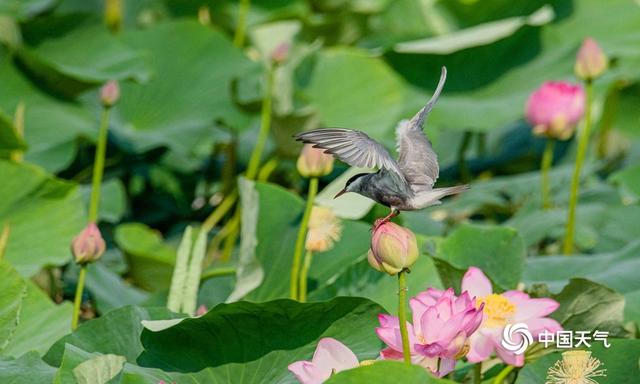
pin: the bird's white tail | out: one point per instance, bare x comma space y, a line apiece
432, 197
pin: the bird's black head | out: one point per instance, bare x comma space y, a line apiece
349, 182
354, 178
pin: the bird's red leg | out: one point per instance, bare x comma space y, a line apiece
394, 212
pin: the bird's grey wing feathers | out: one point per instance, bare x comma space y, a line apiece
353, 147
418, 161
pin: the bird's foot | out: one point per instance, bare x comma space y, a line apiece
386, 219
379, 222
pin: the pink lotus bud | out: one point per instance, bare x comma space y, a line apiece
591, 61
555, 109
393, 248
110, 93
202, 310
313, 162
371, 258
280, 53
88, 246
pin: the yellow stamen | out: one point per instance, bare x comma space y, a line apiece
575, 367
497, 309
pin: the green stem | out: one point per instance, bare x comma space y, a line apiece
4, 238
18, 123
221, 210
78, 298
234, 223
254, 161
499, 379
583, 144
243, 10
300, 240
402, 315
477, 373
53, 283
214, 244
267, 169
98, 166
302, 295
265, 126
217, 272
547, 160
96, 181
229, 170
113, 15
609, 114
232, 237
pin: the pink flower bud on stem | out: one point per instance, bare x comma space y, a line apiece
313, 162
591, 62
109, 94
393, 248
88, 246
280, 53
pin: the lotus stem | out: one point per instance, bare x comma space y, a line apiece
77, 301
217, 272
477, 373
18, 123
302, 295
98, 166
241, 26
254, 161
265, 127
300, 240
547, 161
402, 315
221, 210
96, 181
583, 144
499, 379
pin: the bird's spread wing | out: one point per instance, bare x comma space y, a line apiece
353, 147
417, 161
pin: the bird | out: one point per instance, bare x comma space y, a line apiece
405, 184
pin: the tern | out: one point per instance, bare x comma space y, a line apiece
405, 184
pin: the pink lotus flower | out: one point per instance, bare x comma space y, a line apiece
441, 326
510, 307
555, 109
331, 356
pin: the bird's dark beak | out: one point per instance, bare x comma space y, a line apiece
340, 193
